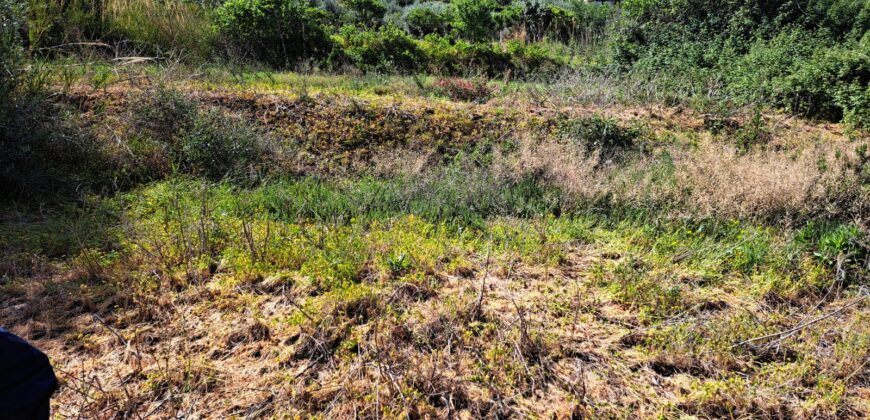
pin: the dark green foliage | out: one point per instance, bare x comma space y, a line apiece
278, 32
533, 59
583, 22
805, 74
162, 114
42, 148
386, 49
474, 19
748, 19
423, 19
366, 12
809, 58
572, 21
448, 56
459, 57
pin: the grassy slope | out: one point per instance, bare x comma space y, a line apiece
374, 284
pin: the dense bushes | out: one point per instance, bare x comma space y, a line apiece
474, 19
278, 32
421, 19
217, 147
365, 12
372, 35
571, 21
385, 49
810, 60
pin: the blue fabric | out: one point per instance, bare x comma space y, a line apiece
26, 377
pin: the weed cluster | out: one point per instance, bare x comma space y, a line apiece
462, 90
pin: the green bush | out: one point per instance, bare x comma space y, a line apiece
386, 49
831, 241
44, 149
806, 75
746, 20
163, 113
529, 59
421, 19
217, 147
366, 12
441, 52
508, 17
206, 144
459, 57
585, 22
570, 21
807, 59
277, 32
448, 56
474, 19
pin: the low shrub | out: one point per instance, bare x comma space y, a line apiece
163, 113
217, 147
45, 151
531, 59
754, 133
459, 57
462, 89
601, 135
170, 126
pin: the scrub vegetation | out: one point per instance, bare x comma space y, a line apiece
474, 208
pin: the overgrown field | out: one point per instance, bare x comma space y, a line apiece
308, 245
461, 209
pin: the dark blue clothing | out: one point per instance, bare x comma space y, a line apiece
26, 379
